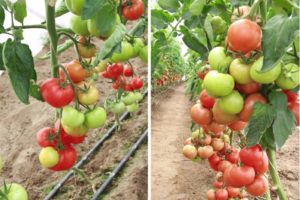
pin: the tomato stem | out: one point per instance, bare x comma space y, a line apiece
275, 176
73, 40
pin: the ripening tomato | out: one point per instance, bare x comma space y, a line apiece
128, 71
206, 100
232, 103
244, 36
249, 88
137, 83
56, 93
205, 151
86, 50
216, 127
233, 192
75, 70
67, 158
87, 94
134, 10
218, 144
240, 71
291, 96
201, 115
205, 139
239, 176
48, 157
221, 194
221, 117
289, 77
294, 107
237, 126
223, 165
240, 12
218, 184
66, 138
214, 161
211, 194
246, 113
189, 151
188, 141
258, 187
46, 137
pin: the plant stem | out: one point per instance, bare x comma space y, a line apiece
50, 18
274, 174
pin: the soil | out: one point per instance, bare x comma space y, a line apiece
176, 178
19, 124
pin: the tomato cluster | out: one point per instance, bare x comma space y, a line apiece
233, 82
166, 79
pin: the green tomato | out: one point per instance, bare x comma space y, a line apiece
79, 26
15, 192
137, 46
231, 104
264, 77
240, 72
218, 25
118, 108
48, 157
76, 132
144, 54
95, 118
72, 117
126, 53
75, 6
133, 107
129, 98
196, 134
289, 77
138, 96
218, 59
101, 67
196, 7
218, 84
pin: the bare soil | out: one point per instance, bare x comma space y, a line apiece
19, 124
177, 178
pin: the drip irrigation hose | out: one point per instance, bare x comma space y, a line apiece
120, 165
88, 155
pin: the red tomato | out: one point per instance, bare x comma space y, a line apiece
67, 158
128, 87
239, 176
206, 100
294, 107
246, 113
244, 36
218, 184
55, 93
202, 73
233, 192
106, 74
233, 156
221, 194
115, 70
291, 96
128, 71
205, 139
258, 187
133, 11
137, 83
237, 126
221, 117
201, 115
75, 70
214, 161
46, 137
255, 157
249, 88
216, 127
223, 165
66, 138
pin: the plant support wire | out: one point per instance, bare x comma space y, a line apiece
88, 155
120, 165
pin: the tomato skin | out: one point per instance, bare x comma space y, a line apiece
128, 71
249, 88
246, 113
137, 83
240, 71
89, 96
217, 144
218, 84
233, 192
294, 107
221, 194
244, 36
211, 194
46, 137
206, 100
237, 126
289, 77
231, 104
95, 118
72, 117
239, 176
223, 165
216, 127
67, 158
264, 77
86, 50
205, 139
48, 157
79, 26
258, 187
218, 184
214, 161
291, 96
205, 151
16, 192
67, 139
126, 53
218, 60
189, 151
75, 6
115, 70
56, 95
75, 70
134, 11
221, 117
201, 115
118, 108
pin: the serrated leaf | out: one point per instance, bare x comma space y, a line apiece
18, 61
111, 43
169, 5
261, 119
278, 35
284, 122
91, 8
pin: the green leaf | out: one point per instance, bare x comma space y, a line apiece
91, 8
20, 11
34, 91
111, 43
169, 5
139, 29
18, 61
160, 19
278, 35
209, 31
106, 19
2, 16
268, 141
1, 60
261, 119
196, 7
284, 122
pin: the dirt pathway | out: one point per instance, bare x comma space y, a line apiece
173, 176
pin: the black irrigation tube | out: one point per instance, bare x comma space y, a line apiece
120, 165
88, 155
